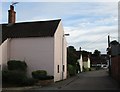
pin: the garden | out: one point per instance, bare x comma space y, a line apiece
16, 75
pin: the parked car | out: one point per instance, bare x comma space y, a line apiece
105, 67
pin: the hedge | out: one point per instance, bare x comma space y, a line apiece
41, 75
17, 65
71, 70
13, 77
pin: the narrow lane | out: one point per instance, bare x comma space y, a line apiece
94, 80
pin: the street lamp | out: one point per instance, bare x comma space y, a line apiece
63, 66
66, 34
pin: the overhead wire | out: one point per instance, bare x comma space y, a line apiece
91, 43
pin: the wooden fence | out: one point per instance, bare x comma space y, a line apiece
115, 67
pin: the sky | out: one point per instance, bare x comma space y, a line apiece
88, 23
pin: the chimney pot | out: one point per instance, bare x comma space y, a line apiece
11, 7
11, 15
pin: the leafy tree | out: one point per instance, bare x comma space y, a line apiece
71, 49
72, 60
97, 53
114, 42
71, 55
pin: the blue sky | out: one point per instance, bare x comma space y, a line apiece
88, 23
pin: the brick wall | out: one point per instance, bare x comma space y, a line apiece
115, 68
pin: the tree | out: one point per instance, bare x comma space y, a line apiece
71, 49
97, 53
72, 60
71, 55
114, 42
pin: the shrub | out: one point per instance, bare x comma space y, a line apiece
41, 75
28, 82
71, 70
46, 77
16, 65
13, 77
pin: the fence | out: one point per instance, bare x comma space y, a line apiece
115, 67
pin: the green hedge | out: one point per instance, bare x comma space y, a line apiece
41, 75
16, 74
13, 77
29, 82
71, 70
17, 65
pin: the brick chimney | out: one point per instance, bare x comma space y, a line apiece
11, 15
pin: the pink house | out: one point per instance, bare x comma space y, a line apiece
41, 44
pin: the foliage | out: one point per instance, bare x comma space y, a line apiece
13, 77
114, 42
47, 77
39, 72
41, 75
71, 56
71, 70
29, 82
16, 74
97, 53
16, 65
72, 49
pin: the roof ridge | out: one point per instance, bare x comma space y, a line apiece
34, 21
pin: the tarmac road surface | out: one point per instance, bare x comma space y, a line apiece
93, 80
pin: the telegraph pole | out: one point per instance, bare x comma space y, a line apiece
109, 55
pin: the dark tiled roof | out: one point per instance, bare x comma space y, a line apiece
29, 29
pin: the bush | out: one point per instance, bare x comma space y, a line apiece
41, 75
16, 65
45, 77
71, 70
28, 82
13, 77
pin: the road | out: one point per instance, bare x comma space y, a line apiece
93, 80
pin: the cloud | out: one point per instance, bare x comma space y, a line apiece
0, 12
94, 37
61, 0
86, 22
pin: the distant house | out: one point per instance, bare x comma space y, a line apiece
41, 44
83, 59
80, 61
99, 61
86, 62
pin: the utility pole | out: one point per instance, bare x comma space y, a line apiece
109, 55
